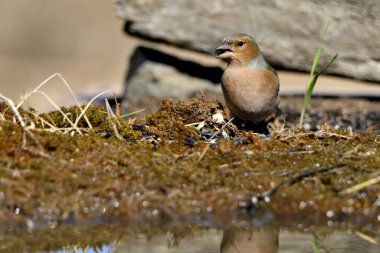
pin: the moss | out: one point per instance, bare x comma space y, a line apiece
157, 177
170, 120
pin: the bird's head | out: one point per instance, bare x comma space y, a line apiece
238, 48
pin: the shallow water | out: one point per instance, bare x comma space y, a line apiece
115, 239
247, 241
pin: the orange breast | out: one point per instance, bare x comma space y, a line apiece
250, 94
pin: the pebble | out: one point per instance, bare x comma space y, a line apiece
189, 141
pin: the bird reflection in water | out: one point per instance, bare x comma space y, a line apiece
262, 240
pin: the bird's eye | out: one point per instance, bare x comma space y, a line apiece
240, 43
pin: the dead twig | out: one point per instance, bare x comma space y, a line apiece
203, 153
289, 181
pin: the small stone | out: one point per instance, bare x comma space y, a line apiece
189, 141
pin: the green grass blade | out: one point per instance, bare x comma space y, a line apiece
315, 245
314, 77
318, 54
311, 85
327, 65
132, 113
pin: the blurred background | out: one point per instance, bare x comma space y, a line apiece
89, 43
82, 40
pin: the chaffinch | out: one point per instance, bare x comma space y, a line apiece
250, 85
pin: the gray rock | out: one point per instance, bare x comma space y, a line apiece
159, 81
154, 75
288, 32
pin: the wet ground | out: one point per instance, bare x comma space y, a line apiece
184, 164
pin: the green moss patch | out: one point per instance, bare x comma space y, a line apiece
144, 170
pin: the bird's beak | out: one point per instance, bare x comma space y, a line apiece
223, 52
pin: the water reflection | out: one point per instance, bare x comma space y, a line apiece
250, 241
140, 239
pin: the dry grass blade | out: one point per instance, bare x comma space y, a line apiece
14, 109
43, 122
111, 115
58, 109
26, 96
193, 124
360, 186
109, 109
366, 237
88, 105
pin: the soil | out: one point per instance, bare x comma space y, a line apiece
179, 164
